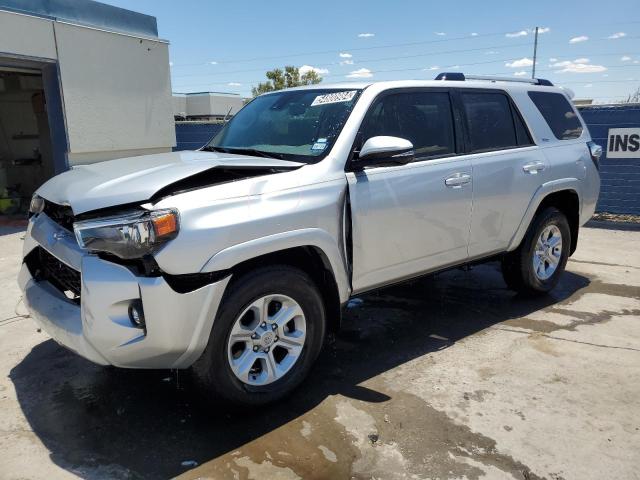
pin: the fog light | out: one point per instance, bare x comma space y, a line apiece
136, 314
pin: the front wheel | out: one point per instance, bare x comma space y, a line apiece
537, 264
268, 332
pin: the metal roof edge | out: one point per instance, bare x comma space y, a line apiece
87, 13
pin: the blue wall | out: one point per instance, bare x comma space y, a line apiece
620, 190
192, 135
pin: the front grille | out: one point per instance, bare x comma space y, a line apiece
44, 266
61, 214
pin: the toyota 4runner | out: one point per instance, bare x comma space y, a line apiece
235, 260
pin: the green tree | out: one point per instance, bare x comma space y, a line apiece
287, 78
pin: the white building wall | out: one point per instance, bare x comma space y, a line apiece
180, 105
116, 88
223, 104
213, 104
26, 36
117, 91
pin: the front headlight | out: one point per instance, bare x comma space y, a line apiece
128, 236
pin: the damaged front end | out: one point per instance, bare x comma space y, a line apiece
104, 187
107, 311
216, 176
130, 232
114, 252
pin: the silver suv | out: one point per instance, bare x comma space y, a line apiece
235, 260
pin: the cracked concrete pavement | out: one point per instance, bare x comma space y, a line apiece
451, 376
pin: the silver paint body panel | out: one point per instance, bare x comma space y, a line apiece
406, 220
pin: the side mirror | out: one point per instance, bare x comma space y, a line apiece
385, 150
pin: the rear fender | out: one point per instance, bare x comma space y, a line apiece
540, 194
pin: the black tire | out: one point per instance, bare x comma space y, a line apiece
517, 266
212, 370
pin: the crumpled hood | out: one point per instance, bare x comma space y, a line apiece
137, 179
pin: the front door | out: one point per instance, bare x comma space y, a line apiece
414, 218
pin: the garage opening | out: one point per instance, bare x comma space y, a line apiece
26, 154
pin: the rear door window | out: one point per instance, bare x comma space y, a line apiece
559, 114
490, 122
422, 117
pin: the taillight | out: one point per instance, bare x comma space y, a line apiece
595, 151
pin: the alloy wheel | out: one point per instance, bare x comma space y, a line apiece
548, 252
266, 340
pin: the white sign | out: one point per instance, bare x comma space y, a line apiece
337, 97
623, 143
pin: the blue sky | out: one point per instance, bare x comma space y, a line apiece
590, 47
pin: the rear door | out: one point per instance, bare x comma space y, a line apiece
507, 167
567, 152
412, 218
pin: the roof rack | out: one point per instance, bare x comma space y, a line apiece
461, 77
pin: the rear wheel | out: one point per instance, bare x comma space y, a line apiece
537, 264
268, 332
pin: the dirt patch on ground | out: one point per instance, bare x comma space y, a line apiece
616, 217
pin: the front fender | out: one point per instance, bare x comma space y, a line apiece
543, 191
313, 237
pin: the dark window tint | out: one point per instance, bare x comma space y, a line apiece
557, 111
489, 121
423, 118
522, 133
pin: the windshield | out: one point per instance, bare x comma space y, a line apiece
296, 125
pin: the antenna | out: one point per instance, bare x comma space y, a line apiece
535, 54
226, 117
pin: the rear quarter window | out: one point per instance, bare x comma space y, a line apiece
559, 114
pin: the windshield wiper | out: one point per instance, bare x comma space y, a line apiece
254, 152
244, 151
211, 148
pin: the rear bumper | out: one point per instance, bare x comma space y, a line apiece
178, 325
590, 194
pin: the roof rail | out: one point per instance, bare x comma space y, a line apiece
461, 77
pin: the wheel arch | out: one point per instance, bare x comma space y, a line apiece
312, 251
567, 201
561, 194
311, 260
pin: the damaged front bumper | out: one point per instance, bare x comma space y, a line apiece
98, 326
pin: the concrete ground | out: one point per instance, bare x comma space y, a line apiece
450, 377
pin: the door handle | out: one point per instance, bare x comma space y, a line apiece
534, 168
457, 180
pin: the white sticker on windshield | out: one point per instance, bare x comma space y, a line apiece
320, 144
336, 97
